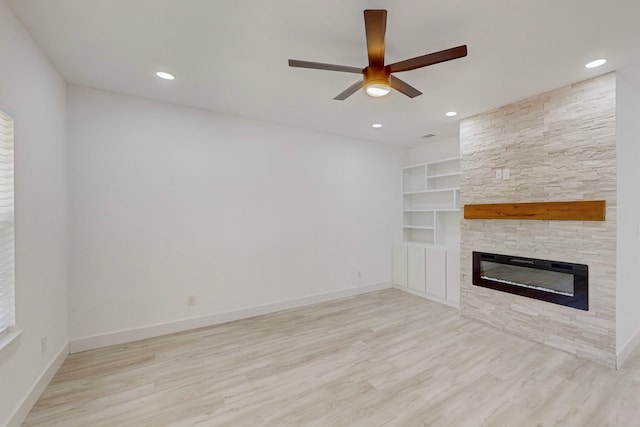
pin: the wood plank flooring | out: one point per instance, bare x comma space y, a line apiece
382, 359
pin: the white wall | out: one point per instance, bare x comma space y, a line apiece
169, 201
433, 151
628, 160
33, 93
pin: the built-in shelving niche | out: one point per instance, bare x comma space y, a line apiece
430, 191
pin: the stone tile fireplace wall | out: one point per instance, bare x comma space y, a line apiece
559, 146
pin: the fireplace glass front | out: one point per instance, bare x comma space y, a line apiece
552, 281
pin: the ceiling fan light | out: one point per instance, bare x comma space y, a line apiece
378, 89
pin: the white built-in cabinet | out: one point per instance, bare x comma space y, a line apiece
431, 272
416, 268
436, 281
427, 262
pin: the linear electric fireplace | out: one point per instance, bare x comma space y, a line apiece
552, 281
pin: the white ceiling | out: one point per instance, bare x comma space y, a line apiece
231, 55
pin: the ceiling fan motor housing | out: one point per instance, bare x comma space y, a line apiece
377, 75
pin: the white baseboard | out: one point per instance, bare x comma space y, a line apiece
627, 349
77, 345
429, 296
36, 390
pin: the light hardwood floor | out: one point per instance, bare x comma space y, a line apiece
382, 359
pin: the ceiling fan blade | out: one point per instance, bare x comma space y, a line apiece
322, 66
430, 59
375, 24
350, 91
404, 87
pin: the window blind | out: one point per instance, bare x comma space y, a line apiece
7, 265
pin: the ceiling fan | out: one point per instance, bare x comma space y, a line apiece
378, 80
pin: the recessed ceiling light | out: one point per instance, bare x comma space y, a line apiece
451, 114
376, 125
596, 63
165, 76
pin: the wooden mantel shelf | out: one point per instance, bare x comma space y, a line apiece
591, 210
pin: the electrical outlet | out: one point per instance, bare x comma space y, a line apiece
506, 173
43, 344
191, 300
498, 173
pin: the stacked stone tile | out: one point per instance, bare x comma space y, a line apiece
560, 146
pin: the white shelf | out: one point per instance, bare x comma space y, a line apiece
436, 162
443, 175
418, 227
438, 190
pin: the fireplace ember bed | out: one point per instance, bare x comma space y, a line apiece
551, 281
